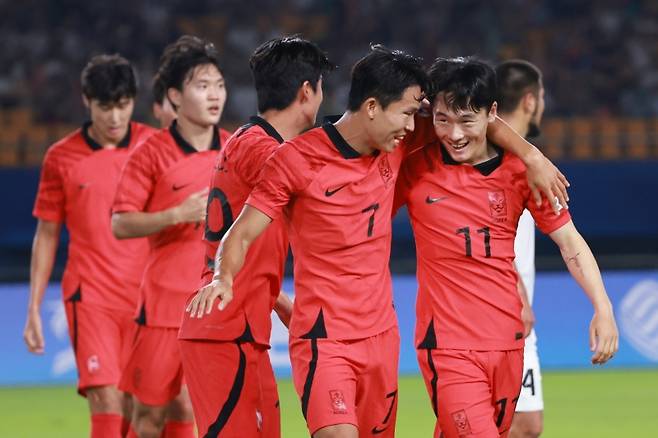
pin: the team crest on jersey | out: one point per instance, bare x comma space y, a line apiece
461, 422
338, 402
498, 205
93, 364
385, 170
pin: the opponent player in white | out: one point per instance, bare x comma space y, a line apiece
521, 105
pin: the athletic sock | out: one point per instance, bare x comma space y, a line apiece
106, 426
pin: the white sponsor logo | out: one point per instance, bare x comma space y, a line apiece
638, 317
93, 364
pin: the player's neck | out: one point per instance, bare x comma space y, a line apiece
486, 153
199, 136
517, 121
105, 142
351, 127
287, 122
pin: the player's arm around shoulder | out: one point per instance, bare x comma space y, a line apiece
543, 176
229, 260
604, 337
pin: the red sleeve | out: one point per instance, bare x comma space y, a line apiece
285, 173
49, 204
137, 180
544, 216
402, 186
422, 134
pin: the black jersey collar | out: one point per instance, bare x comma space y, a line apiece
485, 168
343, 147
94, 145
188, 148
265, 125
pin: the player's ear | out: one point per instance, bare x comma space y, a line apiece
85, 101
529, 103
370, 107
175, 96
305, 92
493, 112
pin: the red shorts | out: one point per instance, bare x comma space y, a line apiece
101, 339
232, 388
473, 393
154, 373
348, 382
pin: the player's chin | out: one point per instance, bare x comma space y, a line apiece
212, 119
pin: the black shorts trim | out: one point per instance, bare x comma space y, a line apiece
232, 400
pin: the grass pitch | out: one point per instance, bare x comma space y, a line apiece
597, 403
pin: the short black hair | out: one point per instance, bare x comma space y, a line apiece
158, 91
467, 83
108, 79
281, 65
384, 74
516, 78
179, 60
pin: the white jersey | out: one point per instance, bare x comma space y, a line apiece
524, 248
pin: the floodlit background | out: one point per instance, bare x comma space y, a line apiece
600, 66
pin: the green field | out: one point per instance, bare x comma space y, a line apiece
597, 403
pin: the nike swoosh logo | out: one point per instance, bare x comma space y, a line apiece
328, 192
376, 431
431, 200
176, 188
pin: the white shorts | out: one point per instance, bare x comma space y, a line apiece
531, 397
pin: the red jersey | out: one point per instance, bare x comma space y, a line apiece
257, 285
77, 185
159, 174
338, 207
464, 220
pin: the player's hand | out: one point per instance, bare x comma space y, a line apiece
192, 209
603, 337
544, 177
33, 334
528, 318
283, 308
202, 302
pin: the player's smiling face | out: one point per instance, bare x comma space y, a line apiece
203, 96
392, 124
110, 121
463, 132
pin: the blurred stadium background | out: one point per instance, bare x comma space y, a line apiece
600, 65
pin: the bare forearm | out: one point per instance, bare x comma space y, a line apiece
504, 136
230, 256
583, 268
140, 224
44, 248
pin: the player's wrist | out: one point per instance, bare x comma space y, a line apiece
532, 157
173, 216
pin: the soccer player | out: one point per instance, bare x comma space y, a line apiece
162, 194
78, 179
465, 196
335, 186
521, 104
233, 344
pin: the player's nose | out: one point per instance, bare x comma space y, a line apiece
456, 133
411, 124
